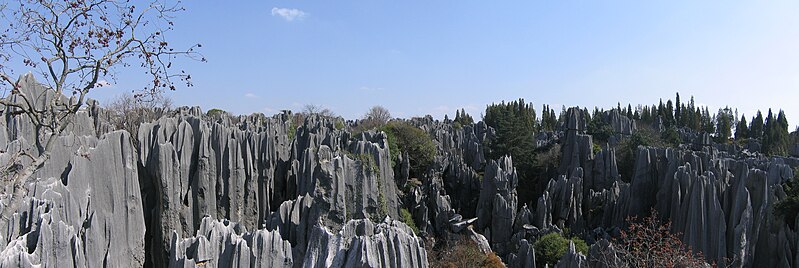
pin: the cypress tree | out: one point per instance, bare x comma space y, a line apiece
742, 130
756, 127
678, 111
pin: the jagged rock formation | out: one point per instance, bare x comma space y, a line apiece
572, 258
255, 191
496, 208
619, 123
225, 244
83, 207
255, 176
208, 179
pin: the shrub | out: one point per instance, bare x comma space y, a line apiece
599, 129
404, 137
628, 148
647, 243
462, 252
788, 208
671, 137
407, 218
215, 113
128, 112
551, 247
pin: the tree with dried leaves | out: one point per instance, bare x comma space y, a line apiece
377, 116
320, 110
647, 243
127, 112
75, 46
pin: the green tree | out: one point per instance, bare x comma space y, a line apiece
775, 134
598, 128
514, 124
463, 118
551, 247
404, 137
668, 114
742, 130
788, 208
756, 127
724, 120
678, 111
707, 121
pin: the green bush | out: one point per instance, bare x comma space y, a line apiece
628, 148
788, 208
404, 137
551, 247
671, 137
407, 218
596, 148
599, 129
215, 112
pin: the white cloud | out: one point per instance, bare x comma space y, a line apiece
370, 89
289, 14
250, 95
269, 111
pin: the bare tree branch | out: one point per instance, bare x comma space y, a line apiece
73, 44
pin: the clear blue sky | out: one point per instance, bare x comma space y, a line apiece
432, 57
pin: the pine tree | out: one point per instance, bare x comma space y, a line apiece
707, 121
678, 111
723, 125
756, 127
629, 111
742, 130
669, 114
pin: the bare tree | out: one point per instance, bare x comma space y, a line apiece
75, 45
377, 116
318, 110
128, 112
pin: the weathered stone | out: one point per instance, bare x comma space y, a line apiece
572, 258
82, 208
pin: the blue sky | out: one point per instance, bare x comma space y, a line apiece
433, 57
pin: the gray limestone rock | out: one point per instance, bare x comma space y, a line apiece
226, 244
497, 205
361, 243
87, 211
572, 259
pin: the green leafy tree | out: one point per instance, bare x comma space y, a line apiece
598, 128
627, 150
788, 208
463, 118
551, 247
514, 123
404, 137
724, 120
775, 134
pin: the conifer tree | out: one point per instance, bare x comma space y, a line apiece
756, 127
678, 111
742, 130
